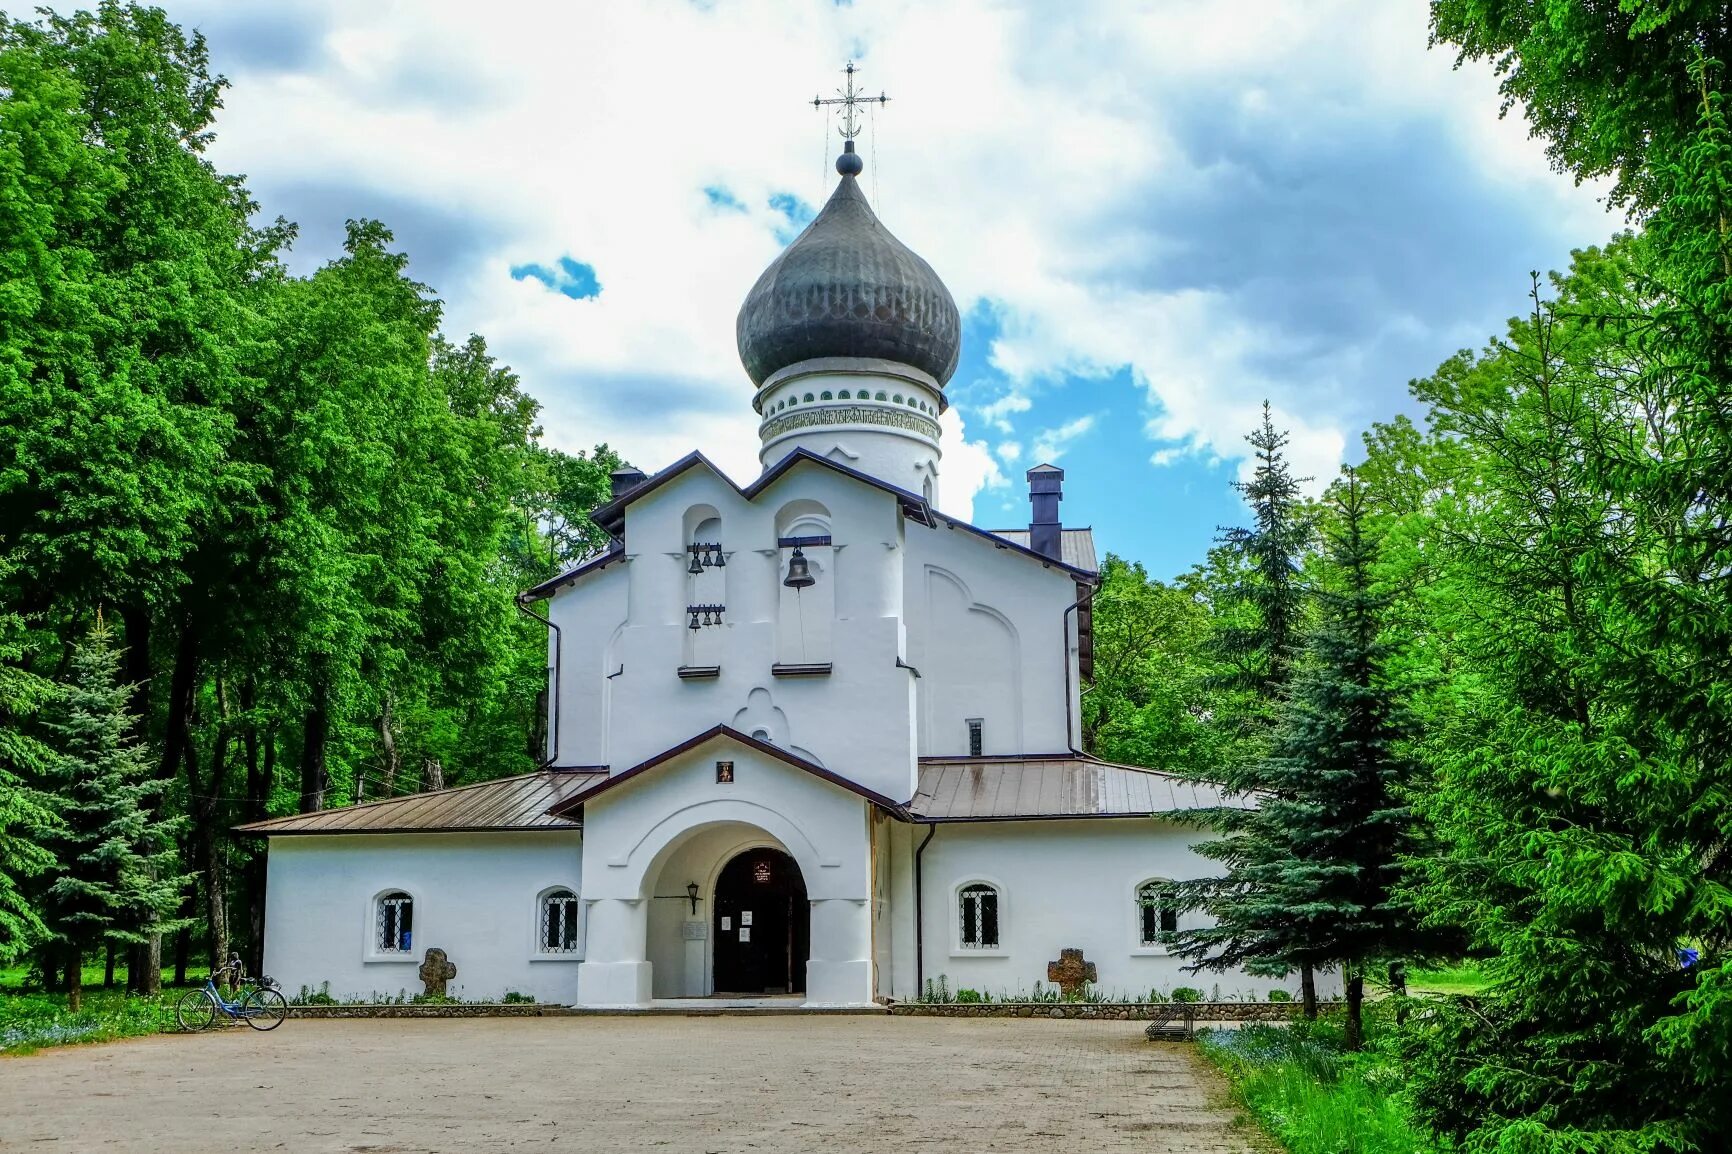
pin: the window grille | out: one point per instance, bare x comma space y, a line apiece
559, 922
975, 725
1158, 913
979, 917
395, 922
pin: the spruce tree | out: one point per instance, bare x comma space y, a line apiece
1255, 644
26, 816
116, 878
1341, 772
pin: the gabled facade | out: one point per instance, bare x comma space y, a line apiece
810, 736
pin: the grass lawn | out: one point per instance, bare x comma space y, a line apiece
1310, 1095
31, 1019
1463, 979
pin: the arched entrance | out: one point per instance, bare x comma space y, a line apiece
762, 925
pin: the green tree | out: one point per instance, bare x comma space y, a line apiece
27, 816
1147, 703
116, 876
1255, 640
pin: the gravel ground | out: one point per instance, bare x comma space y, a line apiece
836, 1084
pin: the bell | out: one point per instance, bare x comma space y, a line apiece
721, 558
799, 573
694, 623
697, 566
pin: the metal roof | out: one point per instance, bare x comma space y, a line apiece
508, 803
1076, 546
1012, 788
847, 288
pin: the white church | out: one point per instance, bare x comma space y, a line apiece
810, 738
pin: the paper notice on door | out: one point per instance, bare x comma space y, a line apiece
745, 933
745, 917
727, 922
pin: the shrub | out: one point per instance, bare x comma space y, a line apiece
969, 997
311, 997
1186, 994
1280, 996
513, 998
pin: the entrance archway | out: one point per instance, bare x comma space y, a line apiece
762, 925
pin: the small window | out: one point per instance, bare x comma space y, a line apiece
1157, 913
826, 395
843, 394
898, 398
807, 398
975, 727
881, 396
396, 918
979, 917
558, 922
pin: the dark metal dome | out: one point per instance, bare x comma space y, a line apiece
847, 288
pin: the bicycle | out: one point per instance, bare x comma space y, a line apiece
262, 1006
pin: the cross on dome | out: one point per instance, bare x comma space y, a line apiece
849, 163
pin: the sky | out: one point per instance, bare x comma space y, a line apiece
1154, 217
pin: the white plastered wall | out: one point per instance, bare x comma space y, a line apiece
988, 631
631, 615
475, 894
677, 817
1066, 884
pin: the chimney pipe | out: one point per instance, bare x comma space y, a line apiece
624, 480
1045, 488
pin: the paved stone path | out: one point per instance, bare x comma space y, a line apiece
849, 1085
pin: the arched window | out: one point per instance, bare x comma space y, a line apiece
826, 395
979, 912
395, 919
807, 398
843, 394
1157, 913
558, 922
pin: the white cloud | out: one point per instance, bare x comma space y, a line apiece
1050, 444
1010, 452
967, 468
997, 413
1018, 168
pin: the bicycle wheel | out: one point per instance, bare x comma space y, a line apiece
194, 1011
264, 1009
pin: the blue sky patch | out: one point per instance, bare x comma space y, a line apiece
571, 278
720, 196
796, 212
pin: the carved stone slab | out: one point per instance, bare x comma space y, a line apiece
1071, 972
436, 970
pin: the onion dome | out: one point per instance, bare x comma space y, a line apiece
847, 288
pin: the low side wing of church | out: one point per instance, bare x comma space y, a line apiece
807, 737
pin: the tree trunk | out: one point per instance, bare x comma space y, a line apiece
74, 977
182, 954
1398, 986
150, 982
433, 774
49, 958
135, 620
261, 778
1308, 990
1355, 1004
313, 735
108, 969
387, 726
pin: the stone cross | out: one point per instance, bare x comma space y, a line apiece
1070, 971
436, 971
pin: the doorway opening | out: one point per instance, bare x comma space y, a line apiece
762, 925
